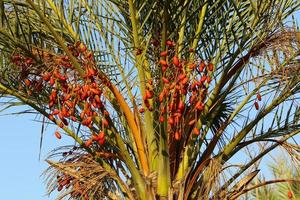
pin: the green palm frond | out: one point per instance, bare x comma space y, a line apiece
282, 167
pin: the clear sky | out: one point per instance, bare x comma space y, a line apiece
20, 168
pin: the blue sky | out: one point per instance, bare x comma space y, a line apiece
20, 170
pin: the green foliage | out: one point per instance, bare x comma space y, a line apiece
281, 168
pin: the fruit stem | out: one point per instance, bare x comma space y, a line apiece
164, 178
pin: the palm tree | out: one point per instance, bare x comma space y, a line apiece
283, 169
161, 97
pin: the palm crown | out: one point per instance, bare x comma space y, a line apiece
160, 96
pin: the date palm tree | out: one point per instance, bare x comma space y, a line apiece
282, 170
164, 99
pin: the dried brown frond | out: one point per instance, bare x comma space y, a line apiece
79, 177
281, 46
207, 183
293, 151
283, 39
